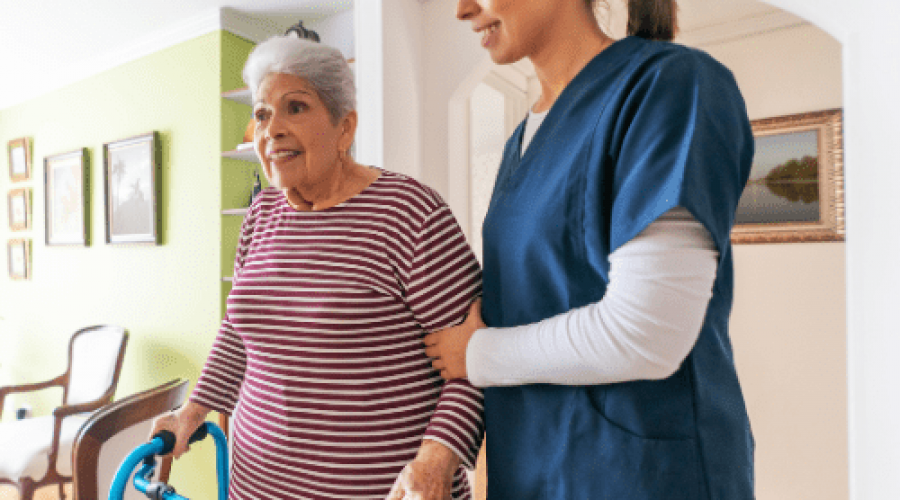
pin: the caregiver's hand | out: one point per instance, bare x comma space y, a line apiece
448, 346
429, 476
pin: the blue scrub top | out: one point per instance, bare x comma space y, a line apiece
644, 127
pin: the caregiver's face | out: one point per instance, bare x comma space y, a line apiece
510, 29
296, 142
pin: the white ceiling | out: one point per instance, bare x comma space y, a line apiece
45, 44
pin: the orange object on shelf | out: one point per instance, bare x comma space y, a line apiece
248, 132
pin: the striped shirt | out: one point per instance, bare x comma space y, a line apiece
321, 344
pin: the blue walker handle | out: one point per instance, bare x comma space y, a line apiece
162, 443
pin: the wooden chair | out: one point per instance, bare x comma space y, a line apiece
114, 432
36, 452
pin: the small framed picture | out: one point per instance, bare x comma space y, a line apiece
19, 159
19, 252
66, 198
20, 209
796, 188
131, 180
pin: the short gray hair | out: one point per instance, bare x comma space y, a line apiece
322, 66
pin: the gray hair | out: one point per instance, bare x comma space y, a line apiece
322, 66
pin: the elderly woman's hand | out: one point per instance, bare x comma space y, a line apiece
182, 423
429, 476
448, 346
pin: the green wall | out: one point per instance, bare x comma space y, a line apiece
169, 296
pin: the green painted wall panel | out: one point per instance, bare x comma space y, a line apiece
168, 296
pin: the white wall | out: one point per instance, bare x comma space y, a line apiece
404, 42
867, 30
389, 68
452, 52
338, 31
789, 320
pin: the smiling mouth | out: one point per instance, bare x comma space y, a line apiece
487, 33
284, 155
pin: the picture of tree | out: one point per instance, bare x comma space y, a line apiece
131, 190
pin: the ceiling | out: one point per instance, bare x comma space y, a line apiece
45, 44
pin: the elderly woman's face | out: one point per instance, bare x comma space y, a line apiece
295, 139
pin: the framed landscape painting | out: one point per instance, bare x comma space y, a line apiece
66, 198
131, 181
796, 187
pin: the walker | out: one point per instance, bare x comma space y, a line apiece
162, 443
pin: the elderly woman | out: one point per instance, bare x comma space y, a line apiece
340, 271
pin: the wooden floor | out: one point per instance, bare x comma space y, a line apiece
48, 493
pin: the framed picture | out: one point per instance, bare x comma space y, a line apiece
19, 259
131, 180
66, 198
20, 209
19, 159
796, 187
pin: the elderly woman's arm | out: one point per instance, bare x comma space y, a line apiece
222, 376
443, 281
217, 389
220, 382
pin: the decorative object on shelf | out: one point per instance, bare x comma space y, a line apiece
249, 131
796, 187
19, 159
299, 31
66, 198
132, 189
20, 209
257, 187
19, 259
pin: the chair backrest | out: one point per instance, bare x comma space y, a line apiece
113, 432
95, 360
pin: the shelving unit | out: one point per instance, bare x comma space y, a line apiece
241, 154
241, 95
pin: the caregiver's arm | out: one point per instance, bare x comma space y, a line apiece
643, 328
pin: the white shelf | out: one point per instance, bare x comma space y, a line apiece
228, 279
239, 95
235, 211
242, 154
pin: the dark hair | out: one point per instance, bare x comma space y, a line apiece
651, 19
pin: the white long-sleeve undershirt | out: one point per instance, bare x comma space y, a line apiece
660, 284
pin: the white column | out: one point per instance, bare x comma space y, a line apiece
369, 81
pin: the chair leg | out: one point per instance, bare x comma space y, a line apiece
26, 489
62, 491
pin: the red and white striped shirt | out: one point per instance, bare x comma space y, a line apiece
321, 344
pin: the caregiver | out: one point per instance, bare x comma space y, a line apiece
608, 280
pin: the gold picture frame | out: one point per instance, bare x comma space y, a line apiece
796, 189
19, 259
19, 153
19, 204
